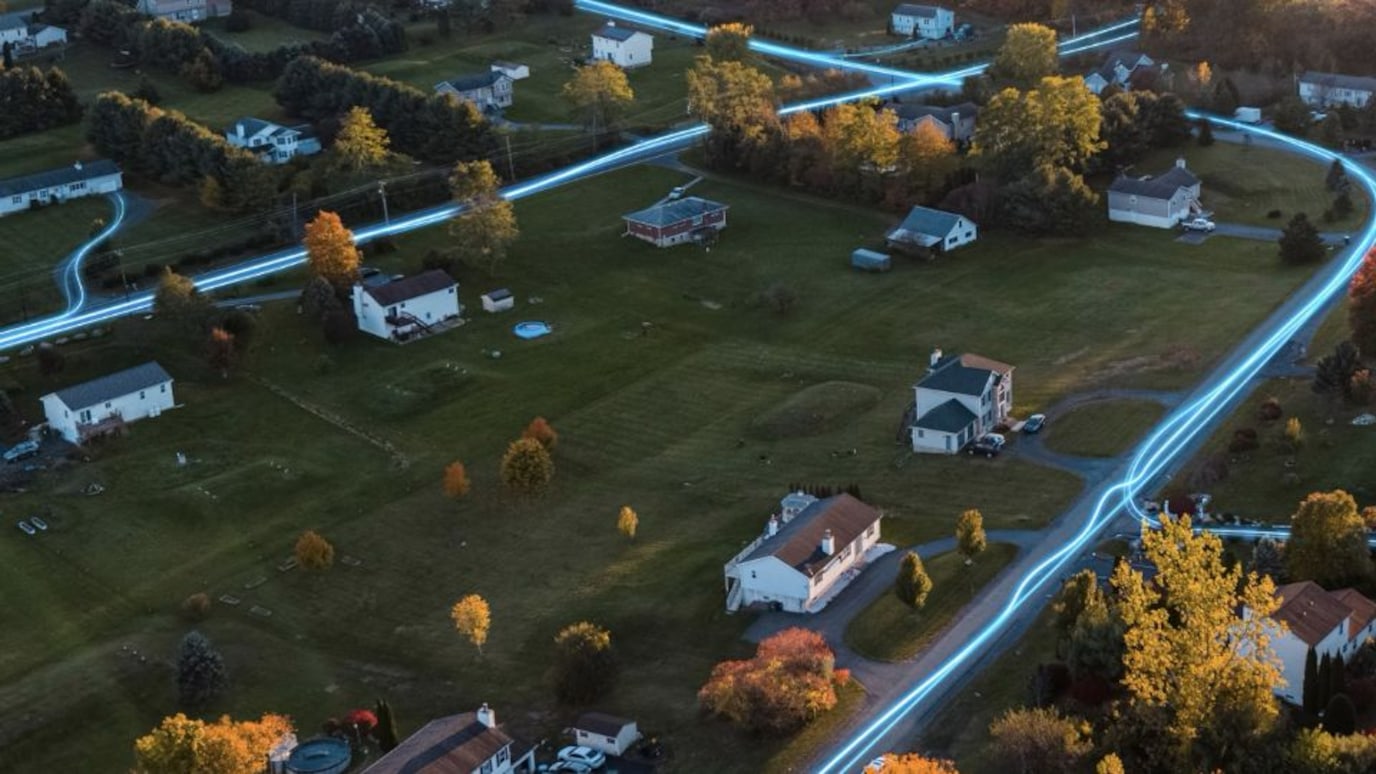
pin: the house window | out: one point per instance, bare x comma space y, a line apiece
17, 199
107, 405
487, 766
873, 529
609, 739
162, 388
141, 395
919, 434
752, 573
503, 754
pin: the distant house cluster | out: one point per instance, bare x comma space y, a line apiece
1324, 90
25, 36
58, 185
274, 143
185, 10
1118, 70
1331, 623
961, 398
922, 21
1160, 201
622, 46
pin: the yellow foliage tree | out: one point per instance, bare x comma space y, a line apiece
911, 763
540, 430
313, 551
527, 467
330, 250
486, 226
472, 619
360, 144
180, 745
456, 483
729, 42
627, 522
600, 94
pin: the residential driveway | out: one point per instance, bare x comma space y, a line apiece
1093, 470
1259, 233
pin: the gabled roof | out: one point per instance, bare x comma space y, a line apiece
1126, 57
798, 543
111, 386
913, 9
422, 284
946, 115
601, 723
1339, 81
1363, 609
1310, 612
61, 176
458, 744
498, 294
474, 81
964, 374
1163, 186
925, 226
612, 32
14, 21
950, 417
672, 212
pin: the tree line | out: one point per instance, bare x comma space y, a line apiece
35, 101
1263, 34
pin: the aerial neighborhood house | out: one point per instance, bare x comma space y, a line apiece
513, 70
105, 405
1328, 89
24, 36
677, 221
490, 91
610, 734
934, 230
58, 185
957, 122
185, 10
624, 47
407, 308
922, 21
805, 549
961, 398
276, 144
1161, 202
1118, 69
1332, 623
468, 743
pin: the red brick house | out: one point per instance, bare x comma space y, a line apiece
690, 219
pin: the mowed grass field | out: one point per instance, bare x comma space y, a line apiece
1104, 428
657, 417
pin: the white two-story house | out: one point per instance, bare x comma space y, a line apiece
492, 90
961, 398
624, 47
1332, 623
408, 308
805, 549
1323, 90
105, 405
922, 21
467, 743
274, 143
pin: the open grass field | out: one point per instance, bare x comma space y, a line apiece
888, 630
265, 33
1102, 428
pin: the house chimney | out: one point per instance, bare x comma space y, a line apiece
935, 358
828, 543
77, 165
239, 129
1180, 162
486, 716
773, 528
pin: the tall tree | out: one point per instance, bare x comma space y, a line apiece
600, 94
861, 138
330, 251
456, 482
485, 227
1268, 558
970, 539
1032, 741
180, 745
201, 673
912, 584
1095, 644
313, 551
730, 42
928, 157
584, 663
910, 763
789, 682
1056, 123
1361, 305
1198, 673
361, 144
1078, 592
1333, 373
221, 351
627, 522
1311, 693
472, 619
1300, 242
739, 105
1328, 541
1027, 55
178, 299
386, 731
527, 467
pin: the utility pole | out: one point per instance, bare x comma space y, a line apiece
295, 229
382, 190
510, 164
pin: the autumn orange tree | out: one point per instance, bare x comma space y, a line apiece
627, 522
221, 350
911, 763
472, 618
527, 467
313, 551
1361, 306
180, 745
330, 250
456, 483
789, 682
539, 429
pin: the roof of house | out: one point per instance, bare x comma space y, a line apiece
602, 723
1309, 611
911, 112
13, 21
925, 222
61, 176
415, 286
1339, 81
1363, 609
913, 9
963, 374
498, 294
674, 211
613, 32
1127, 57
798, 543
472, 81
1162, 186
950, 417
111, 386
457, 744
505, 65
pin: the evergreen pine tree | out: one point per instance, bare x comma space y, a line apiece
1340, 716
201, 673
386, 731
1309, 700
1337, 679
1321, 694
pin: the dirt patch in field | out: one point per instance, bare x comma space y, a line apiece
815, 410
1170, 359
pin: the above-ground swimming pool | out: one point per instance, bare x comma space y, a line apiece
531, 329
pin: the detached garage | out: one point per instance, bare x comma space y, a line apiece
869, 260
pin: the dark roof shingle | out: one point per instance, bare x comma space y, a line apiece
1163, 186
798, 543
111, 386
475, 81
73, 173
913, 9
963, 374
408, 288
458, 744
613, 32
950, 417
601, 723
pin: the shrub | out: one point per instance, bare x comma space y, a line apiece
788, 683
527, 467
841, 677
1270, 410
1275, 214
539, 430
196, 607
1244, 440
313, 551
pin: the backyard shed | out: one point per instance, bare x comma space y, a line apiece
498, 300
869, 260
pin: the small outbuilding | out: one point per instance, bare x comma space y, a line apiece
513, 70
499, 300
934, 230
869, 260
608, 733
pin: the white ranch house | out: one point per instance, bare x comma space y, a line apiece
407, 308
608, 733
1328, 89
934, 230
922, 21
274, 143
805, 549
105, 405
490, 91
1161, 202
624, 47
58, 185
458, 744
961, 398
1332, 623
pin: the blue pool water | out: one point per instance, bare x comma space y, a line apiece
326, 755
531, 329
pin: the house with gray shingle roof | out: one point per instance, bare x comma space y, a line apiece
24, 35
622, 46
490, 91
957, 122
961, 398
804, 551
938, 231
58, 185
274, 143
1118, 69
1328, 89
1160, 201
105, 405
922, 21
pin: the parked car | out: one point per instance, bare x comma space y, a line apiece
593, 759
1034, 424
1199, 224
27, 528
37, 522
21, 451
989, 444
677, 192
368, 271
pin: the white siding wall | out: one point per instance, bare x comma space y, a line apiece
964, 233
768, 579
935, 441
1317, 95
928, 27
609, 745
98, 185
132, 407
638, 51
1292, 652
845, 560
430, 309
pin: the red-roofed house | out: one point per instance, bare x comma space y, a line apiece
676, 221
468, 743
1333, 623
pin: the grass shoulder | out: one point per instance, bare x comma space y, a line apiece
1103, 428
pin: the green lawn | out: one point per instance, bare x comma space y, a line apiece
888, 630
265, 33
1102, 428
